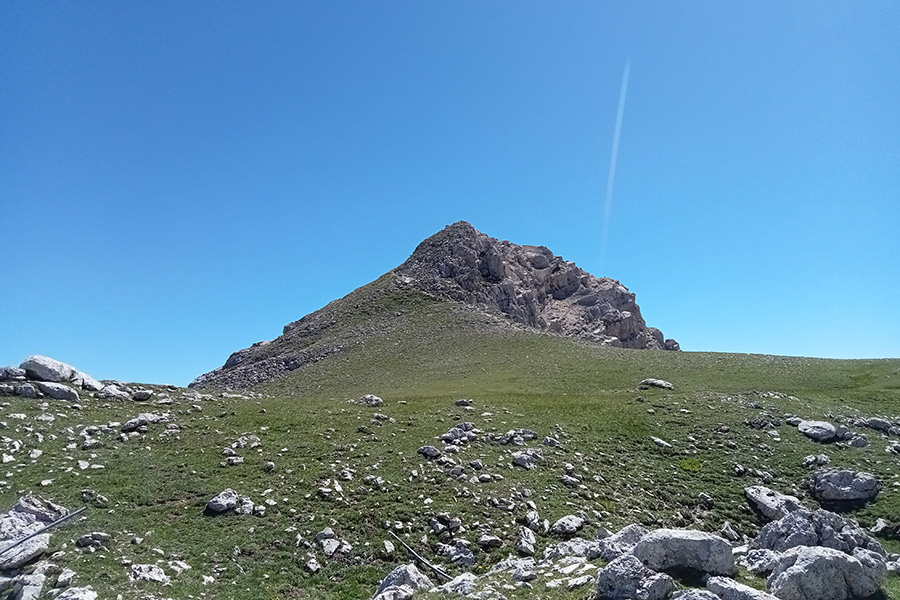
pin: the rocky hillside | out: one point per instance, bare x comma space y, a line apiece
504, 283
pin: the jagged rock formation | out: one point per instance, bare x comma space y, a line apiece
506, 284
531, 285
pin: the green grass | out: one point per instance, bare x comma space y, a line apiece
420, 355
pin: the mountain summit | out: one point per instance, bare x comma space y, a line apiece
496, 284
530, 285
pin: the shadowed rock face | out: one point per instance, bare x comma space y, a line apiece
531, 285
527, 285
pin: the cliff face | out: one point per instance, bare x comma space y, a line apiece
527, 284
531, 285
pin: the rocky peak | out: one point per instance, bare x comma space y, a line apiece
529, 284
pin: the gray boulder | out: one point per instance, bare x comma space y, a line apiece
43, 368
142, 420
626, 578
878, 424
622, 542
729, 589
660, 383
58, 391
574, 547
527, 459
820, 431
24, 553
525, 542
149, 573
669, 548
771, 504
29, 587
114, 392
12, 373
87, 382
224, 501
40, 508
402, 583
371, 400
843, 486
694, 594
462, 585
26, 390
78, 593
817, 573
568, 525
429, 452
819, 528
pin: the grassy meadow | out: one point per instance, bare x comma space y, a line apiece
420, 355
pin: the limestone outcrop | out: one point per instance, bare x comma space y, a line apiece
531, 285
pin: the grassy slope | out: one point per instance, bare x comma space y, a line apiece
419, 355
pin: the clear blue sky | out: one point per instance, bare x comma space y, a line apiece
180, 179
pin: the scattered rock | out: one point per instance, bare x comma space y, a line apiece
843, 486
771, 504
820, 431
58, 391
149, 573
815, 460
429, 452
402, 583
526, 541
622, 542
527, 459
371, 400
659, 383
568, 525
626, 578
224, 501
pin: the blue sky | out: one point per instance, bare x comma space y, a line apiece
179, 180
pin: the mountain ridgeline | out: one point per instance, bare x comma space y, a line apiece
506, 285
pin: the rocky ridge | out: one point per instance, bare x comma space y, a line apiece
504, 283
530, 285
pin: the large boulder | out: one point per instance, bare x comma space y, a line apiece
817, 573
402, 583
820, 431
670, 548
626, 578
43, 368
843, 486
819, 528
771, 504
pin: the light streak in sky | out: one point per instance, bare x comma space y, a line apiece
607, 209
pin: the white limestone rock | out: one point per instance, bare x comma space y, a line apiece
44, 368
818, 573
668, 548
626, 578
402, 583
